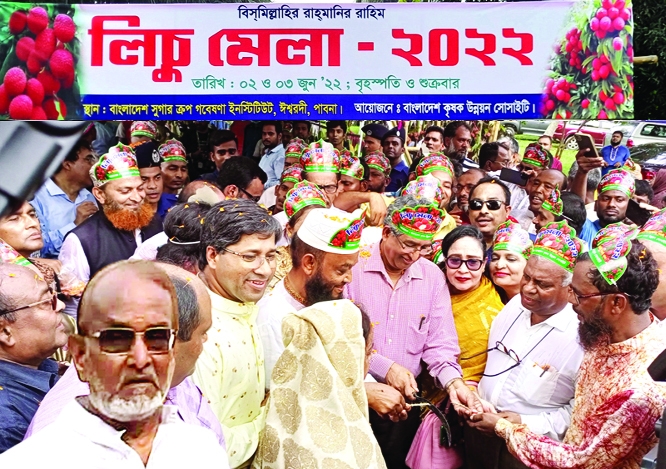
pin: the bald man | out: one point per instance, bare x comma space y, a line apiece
31, 330
194, 318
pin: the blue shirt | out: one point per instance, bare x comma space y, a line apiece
613, 155
589, 231
166, 202
273, 164
399, 177
21, 390
56, 213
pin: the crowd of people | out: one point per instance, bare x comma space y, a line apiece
291, 303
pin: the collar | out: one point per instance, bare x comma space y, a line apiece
274, 149
53, 189
42, 378
559, 320
653, 333
169, 197
375, 264
219, 303
401, 167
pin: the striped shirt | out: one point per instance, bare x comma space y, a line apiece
468, 164
413, 322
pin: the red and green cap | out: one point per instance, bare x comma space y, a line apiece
610, 256
332, 230
615, 229
419, 222
377, 160
351, 165
294, 148
10, 255
320, 157
143, 129
510, 236
427, 186
173, 150
304, 193
655, 228
617, 180
554, 203
292, 173
436, 161
557, 242
118, 163
536, 155
437, 253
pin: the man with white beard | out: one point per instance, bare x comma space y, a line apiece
124, 349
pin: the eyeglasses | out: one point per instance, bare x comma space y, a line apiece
328, 188
577, 296
492, 204
53, 300
503, 164
121, 339
423, 250
457, 262
468, 187
223, 152
252, 258
253, 198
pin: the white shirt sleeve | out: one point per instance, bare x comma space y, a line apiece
73, 258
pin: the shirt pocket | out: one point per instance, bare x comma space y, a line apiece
417, 332
535, 385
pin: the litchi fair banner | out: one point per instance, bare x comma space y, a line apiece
553, 59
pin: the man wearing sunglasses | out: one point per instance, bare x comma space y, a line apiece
617, 403
237, 259
124, 349
489, 206
533, 354
406, 297
31, 330
223, 145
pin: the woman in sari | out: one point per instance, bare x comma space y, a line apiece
317, 412
475, 303
511, 248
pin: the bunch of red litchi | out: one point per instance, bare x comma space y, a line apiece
29, 91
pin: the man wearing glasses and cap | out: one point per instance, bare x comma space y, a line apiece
124, 349
533, 353
406, 297
237, 259
31, 330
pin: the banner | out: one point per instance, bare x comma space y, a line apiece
353, 61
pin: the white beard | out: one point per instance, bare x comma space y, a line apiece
136, 408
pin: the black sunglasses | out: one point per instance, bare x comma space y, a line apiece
121, 339
457, 262
492, 204
53, 300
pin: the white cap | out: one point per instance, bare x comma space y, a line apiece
333, 230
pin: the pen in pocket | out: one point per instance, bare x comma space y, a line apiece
421, 323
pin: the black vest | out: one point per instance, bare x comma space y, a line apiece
104, 244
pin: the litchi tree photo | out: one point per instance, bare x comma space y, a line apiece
591, 70
38, 50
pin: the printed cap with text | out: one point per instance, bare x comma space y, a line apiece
320, 157
655, 229
350, 165
143, 129
510, 236
557, 242
617, 180
332, 230
377, 160
173, 150
118, 163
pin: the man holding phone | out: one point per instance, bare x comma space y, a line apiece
615, 154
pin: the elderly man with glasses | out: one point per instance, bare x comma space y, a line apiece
533, 353
408, 301
127, 325
237, 259
31, 330
617, 402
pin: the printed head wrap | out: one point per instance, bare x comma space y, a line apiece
304, 193
351, 165
610, 256
294, 148
536, 155
118, 163
420, 222
554, 203
511, 236
377, 160
143, 129
320, 157
427, 186
292, 173
173, 150
615, 229
617, 180
655, 228
557, 242
436, 161
332, 230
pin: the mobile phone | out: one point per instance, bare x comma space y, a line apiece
637, 214
514, 177
584, 141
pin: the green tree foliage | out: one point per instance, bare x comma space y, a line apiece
650, 39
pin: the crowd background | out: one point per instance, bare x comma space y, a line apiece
376, 294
